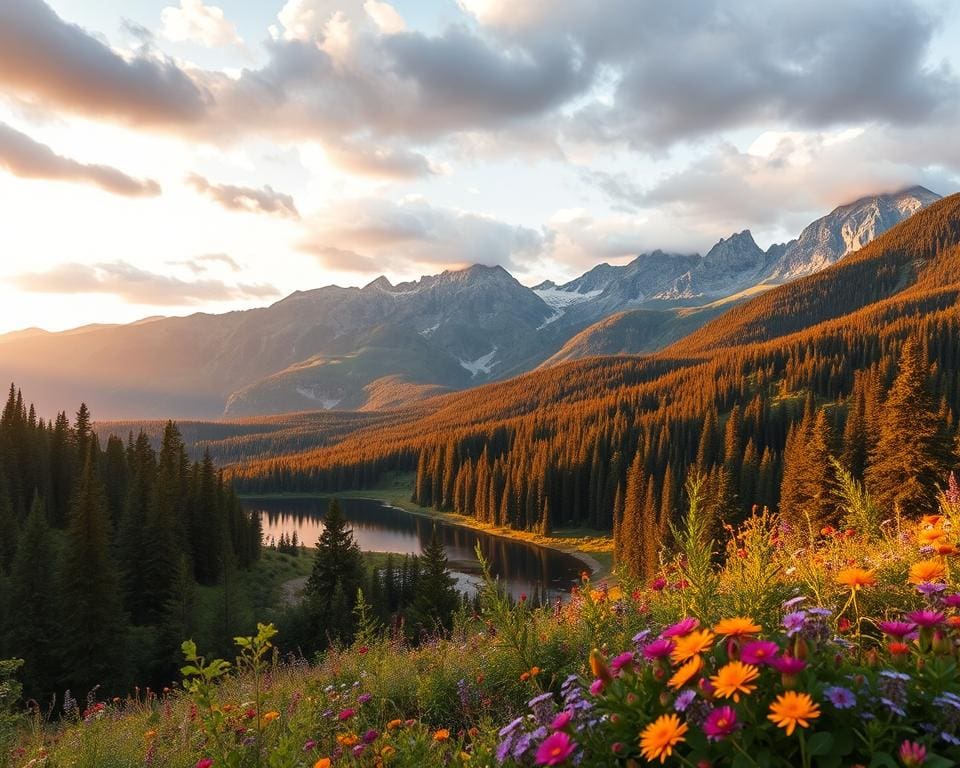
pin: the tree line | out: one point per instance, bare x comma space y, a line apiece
103, 547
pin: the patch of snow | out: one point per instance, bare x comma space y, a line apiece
483, 364
556, 298
325, 402
555, 316
428, 331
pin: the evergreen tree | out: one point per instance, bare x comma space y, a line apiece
806, 497
911, 457
437, 597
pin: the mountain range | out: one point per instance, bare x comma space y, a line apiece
383, 346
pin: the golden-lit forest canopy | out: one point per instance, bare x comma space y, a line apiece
606, 442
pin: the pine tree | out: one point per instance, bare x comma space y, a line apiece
911, 457
90, 608
807, 498
437, 597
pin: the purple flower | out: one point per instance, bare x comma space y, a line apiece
929, 588
682, 627
542, 707
720, 723
370, 736
308, 745
684, 699
358, 750
841, 698
926, 618
793, 602
556, 749
759, 652
894, 708
793, 622
510, 728
363, 698
641, 637
658, 649
897, 629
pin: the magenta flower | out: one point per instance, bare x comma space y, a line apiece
622, 663
556, 749
205, 762
363, 698
913, 754
759, 652
897, 629
952, 601
346, 714
562, 720
682, 627
370, 736
788, 665
720, 723
658, 649
309, 745
926, 618
596, 687
658, 585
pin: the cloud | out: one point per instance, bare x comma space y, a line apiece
387, 162
136, 286
376, 235
234, 198
195, 22
24, 157
201, 264
46, 59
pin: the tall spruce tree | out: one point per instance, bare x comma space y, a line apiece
437, 598
912, 455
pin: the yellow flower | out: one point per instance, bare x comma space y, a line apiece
686, 673
691, 645
856, 578
738, 626
926, 571
733, 678
442, 735
387, 750
394, 724
270, 716
792, 709
347, 739
151, 734
323, 762
660, 737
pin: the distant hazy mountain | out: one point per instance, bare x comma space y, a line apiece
385, 345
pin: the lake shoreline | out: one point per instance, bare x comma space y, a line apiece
597, 559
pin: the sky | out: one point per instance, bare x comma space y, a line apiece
164, 157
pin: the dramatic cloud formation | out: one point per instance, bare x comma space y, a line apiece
234, 198
45, 58
195, 22
135, 285
22, 156
370, 234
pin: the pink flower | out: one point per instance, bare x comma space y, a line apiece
556, 749
658, 585
346, 714
926, 618
205, 762
681, 628
623, 662
759, 652
561, 721
788, 665
913, 754
952, 601
720, 723
658, 649
596, 687
897, 629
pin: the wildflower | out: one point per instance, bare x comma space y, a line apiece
912, 754
309, 745
952, 601
394, 724
641, 637
660, 737
841, 698
598, 666
441, 735
622, 663
926, 571
658, 649
370, 736
555, 749
720, 723
346, 714
691, 645
561, 721
151, 734
596, 687
204, 762
683, 700
737, 627
794, 622
793, 602
542, 707
363, 698
855, 578
759, 652
510, 728
898, 649
926, 618
733, 679
270, 716
686, 673
659, 584
792, 709
897, 629
347, 739
323, 762
682, 627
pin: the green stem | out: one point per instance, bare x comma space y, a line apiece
805, 760
742, 751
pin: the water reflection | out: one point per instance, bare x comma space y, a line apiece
380, 528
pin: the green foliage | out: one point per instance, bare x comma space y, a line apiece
857, 508
10, 690
695, 562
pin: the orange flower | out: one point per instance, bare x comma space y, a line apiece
792, 709
946, 549
931, 519
898, 649
931, 535
691, 645
270, 716
686, 673
151, 734
733, 679
323, 762
347, 739
660, 737
926, 571
855, 578
739, 626
394, 724
442, 735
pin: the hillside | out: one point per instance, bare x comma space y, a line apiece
551, 443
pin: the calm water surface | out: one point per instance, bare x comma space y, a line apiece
379, 527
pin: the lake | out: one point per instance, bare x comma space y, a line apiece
379, 527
